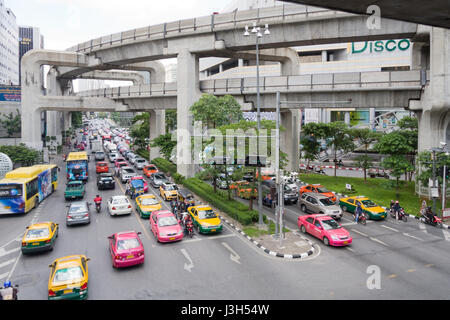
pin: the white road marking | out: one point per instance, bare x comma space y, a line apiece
3, 252
392, 229
379, 241
446, 234
359, 232
3, 276
233, 256
411, 236
4, 264
187, 267
422, 227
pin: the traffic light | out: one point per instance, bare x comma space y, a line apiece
447, 172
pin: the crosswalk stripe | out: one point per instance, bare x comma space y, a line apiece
3, 276
3, 252
392, 229
446, 234
4, 264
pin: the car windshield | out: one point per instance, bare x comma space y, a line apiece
129, 170
323, 190
140, 160
368, 203
78, 208
206, 214
167, 221
171, 187
102, 164
67, 274
326, 202
128, 244
99, 154
73, 185
107, 179
149, 201
330, 224
37, 233
159, 176
120, 201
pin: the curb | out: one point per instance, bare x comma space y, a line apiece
303, 166
273, 253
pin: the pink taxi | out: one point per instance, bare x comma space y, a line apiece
126, 249
165, 226
324, 228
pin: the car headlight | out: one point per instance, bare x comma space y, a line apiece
336, 238
163, 234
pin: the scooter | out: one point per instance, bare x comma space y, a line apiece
401, 214
98, 206
190, 230
361, 219
13, 296
436, 221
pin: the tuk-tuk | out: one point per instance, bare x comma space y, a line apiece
187, 197
136, 188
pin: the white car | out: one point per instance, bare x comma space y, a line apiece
119, 205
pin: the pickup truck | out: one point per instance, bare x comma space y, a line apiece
74, 190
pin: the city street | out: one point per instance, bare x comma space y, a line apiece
413, 259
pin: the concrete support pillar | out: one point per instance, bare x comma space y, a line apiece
324, 56
290, 138
220, 68
188, 93
240, 62
157, 128
372, 118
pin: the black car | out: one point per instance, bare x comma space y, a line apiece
105, 181
270, 194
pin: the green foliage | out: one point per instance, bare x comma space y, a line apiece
21, 154
426, 163
216, 111
12, 123
77, 119
171, 120
165, 144
140, 130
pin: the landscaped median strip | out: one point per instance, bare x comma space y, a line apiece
273, 253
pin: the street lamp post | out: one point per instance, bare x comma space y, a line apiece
257, 31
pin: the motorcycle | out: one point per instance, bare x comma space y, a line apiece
12, 296
401, 214
361, 219
190, 229
98, 206
436, 221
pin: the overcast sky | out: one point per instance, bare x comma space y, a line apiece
65, 23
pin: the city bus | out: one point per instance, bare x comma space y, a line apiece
77, 164
24, 188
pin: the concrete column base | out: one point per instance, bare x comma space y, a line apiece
290, 138
157, 128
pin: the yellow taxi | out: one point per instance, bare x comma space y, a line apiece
205, 220
40, 237
168, 191
374, 211
146, 204
68, 278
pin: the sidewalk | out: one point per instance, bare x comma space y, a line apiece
294, 246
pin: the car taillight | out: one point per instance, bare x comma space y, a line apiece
48, 241
113, 208
24, 244
86, 215
51, 293
129, 206
69, 217
84, 286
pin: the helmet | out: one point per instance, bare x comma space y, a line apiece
7, 284
396, 201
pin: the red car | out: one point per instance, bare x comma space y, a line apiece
165, 226
102, 167
318, 189
126, 249
118, 159
324, 228
141, 178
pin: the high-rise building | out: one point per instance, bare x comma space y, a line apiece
29, 38
9, 47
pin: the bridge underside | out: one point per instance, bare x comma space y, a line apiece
433, 13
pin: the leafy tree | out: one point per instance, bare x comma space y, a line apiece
12, 123
77, 119
216, 111
366, 137
339, 136
140, 130
312, 133
171, 120
21, 154
425, 161
165, 144
409, 128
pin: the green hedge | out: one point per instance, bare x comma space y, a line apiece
235, 209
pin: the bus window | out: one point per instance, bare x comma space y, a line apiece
10, 190
55, 174
32, 188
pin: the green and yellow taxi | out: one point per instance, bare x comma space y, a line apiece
205, 219
146, 204
40, 237
373, 211
68, 278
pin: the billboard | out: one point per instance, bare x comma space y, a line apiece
10, 94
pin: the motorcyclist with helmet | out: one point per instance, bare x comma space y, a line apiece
188, 224
8, 292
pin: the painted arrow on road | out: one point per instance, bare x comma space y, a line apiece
187, 267
233, 256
